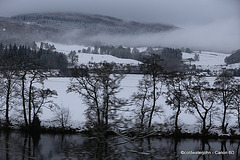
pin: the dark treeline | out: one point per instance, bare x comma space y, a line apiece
24, 57
233, 58
171, 59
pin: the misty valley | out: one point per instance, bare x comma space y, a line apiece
74, 86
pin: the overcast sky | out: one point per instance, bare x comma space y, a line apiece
216, 15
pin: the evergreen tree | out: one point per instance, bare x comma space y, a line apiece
73, 58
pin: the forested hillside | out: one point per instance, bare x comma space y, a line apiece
73, 28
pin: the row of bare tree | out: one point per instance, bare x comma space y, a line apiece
22, 89
22, 75
100, 88
192, 94
19, 92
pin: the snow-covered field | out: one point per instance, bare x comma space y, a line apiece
213, 61
208, 60
85, 58
74, 102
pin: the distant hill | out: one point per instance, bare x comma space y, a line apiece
92, 23
70, 27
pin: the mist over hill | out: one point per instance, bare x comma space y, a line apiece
92, 24
89, 29
71, 28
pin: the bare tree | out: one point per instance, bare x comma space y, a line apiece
200, 99
9, 89
99, 91
236, 104
42, 98
33, 98
142, 99
153, 70
176, 95
62, 116
9, 79
226, 86
237, 108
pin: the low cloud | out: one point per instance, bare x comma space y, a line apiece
222, 35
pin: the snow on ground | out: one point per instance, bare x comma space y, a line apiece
65, 48
231, 66
85, 58
141, 49
68, 100
74, 102
208, 60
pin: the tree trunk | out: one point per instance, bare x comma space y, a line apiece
23, 100
204, 127
224, 128
29, 103
107, 106
154, 102
176, 119
98, 109
204, 130
142, 111
105, 100
7, 102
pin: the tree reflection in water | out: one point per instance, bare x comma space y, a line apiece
18, 146
15, 145
7, 146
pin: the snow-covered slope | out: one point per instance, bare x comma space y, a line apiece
85, 58
213, 61
207, 60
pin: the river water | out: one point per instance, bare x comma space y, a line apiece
19, 146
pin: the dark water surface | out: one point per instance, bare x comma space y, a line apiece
19, 146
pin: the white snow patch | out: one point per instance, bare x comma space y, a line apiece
85, 58
213, 61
